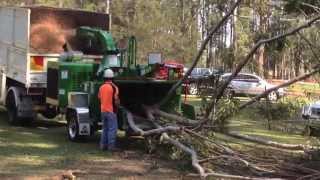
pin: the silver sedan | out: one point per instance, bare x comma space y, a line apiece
245, 84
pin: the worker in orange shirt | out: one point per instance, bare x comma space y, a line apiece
109, 100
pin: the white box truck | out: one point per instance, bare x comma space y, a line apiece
29, 38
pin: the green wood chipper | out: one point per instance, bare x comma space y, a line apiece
74, 80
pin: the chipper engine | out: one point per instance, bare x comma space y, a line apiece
73, 82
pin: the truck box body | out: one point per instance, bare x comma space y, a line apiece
26, 45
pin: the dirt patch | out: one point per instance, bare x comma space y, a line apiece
127, 165
122, 165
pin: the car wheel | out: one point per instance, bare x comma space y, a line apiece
193, 89
272, 96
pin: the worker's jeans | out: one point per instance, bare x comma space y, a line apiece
109, 130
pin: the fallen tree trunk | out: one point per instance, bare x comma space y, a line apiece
269, 143
165, 136
159, 130
194, 156
191, 152
226, 176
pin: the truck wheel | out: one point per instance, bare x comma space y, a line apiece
12, 109
73, 128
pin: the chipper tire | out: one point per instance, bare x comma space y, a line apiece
73, 128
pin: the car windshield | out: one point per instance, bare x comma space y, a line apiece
200, 71
205, 71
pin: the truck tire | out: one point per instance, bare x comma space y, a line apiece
12, 109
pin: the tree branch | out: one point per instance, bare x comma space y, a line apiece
249, 57
310, 45
294, 80
269, 143
179, 119
195, 61
159, 130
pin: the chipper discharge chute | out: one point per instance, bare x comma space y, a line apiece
75, 80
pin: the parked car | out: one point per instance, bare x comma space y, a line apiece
198, 78
311, 113
197, 73
245, 84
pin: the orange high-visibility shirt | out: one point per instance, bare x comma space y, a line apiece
106, 96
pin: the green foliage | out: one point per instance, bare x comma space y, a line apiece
299, 6
168, 27
284, 110
176, 27
227, 107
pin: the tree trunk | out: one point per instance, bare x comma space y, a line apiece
261, 60
29, 2
60, 3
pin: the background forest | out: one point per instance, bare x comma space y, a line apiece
176, 28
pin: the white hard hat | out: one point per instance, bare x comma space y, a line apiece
108, 73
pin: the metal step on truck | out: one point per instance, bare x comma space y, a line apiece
51, 62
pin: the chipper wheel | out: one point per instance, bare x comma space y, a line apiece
73, 127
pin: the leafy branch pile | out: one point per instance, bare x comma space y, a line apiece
214, 158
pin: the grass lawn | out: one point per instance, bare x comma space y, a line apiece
250, 122
42, 151
41, 147
310, 89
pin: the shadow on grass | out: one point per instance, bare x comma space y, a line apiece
32, 148
44, 146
